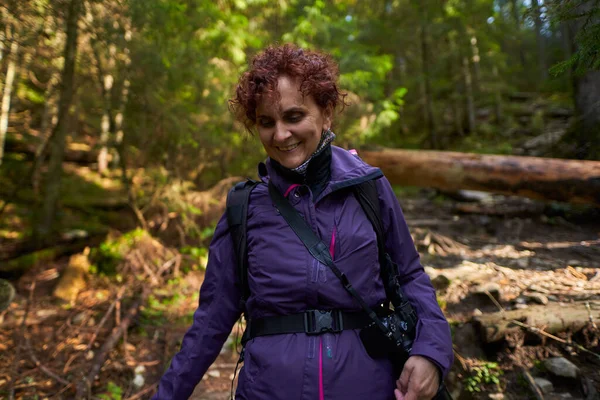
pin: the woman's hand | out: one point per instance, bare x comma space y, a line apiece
419, 380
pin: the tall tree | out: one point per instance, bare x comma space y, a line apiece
541, 45
425, 65
8, 86
44, 226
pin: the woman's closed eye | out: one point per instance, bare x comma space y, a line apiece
266, 122
294, 117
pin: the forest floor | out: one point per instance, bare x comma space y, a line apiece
518, 251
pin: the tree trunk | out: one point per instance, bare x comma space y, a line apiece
541, 45
469, 95
552, 318
585, 131
7, 92
497, 96
517, 20
539, 178
49, 120
455, 70
431, 126
105, 124
476, 58
57, 146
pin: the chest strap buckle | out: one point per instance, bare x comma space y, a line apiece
317, 322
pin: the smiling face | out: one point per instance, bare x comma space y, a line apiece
290, 127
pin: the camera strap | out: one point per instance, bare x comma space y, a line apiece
320, 251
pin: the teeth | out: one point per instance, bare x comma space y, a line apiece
288, 148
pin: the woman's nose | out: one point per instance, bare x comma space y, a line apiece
281, 132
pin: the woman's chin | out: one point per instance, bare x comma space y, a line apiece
291, 161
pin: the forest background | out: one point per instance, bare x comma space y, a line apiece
115, 113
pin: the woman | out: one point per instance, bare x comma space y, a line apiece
289, 96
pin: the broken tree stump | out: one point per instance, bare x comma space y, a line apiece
570, 181
552, 318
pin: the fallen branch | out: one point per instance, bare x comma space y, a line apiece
85, 385
532, 385
105, 318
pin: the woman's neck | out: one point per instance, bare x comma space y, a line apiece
315, 174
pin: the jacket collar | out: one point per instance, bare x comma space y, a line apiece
346, 170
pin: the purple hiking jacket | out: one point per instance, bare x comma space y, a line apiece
285, 279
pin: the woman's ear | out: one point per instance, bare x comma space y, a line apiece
327, 118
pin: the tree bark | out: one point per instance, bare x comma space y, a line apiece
552, 318
517, 20
476, 58
430, 119
585, 130
7, 92
469, 95
571, 181
52, 187
497, 97
541, 45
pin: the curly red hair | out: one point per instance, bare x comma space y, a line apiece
317, 73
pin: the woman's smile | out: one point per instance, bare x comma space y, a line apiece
289, 148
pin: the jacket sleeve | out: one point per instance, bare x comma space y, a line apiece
214, 318
433, 339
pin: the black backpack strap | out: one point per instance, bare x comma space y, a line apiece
237, 214
366, 194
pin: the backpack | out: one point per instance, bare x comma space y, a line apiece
237, 213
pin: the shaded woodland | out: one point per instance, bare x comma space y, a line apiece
117, 149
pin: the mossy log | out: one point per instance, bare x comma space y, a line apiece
75, 154
570, 181
552, 318
24, 256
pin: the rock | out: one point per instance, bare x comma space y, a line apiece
77, 319
552, 297
560, 366
75, 234
468, 342
7, 294
521, 306
214, 373
544, 385
523, 262
138, 380
477, 312
496, 396
537, 298
46, 313
440, 282
559, 396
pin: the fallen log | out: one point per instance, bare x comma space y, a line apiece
570, 181
552, 318
74, 152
